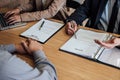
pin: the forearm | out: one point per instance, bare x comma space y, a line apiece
50, 12
10, 48
42, 63
81, 13
26, 7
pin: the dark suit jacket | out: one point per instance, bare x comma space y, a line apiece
91, 9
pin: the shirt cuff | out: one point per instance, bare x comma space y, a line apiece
118, 47
20, 8
39, 55
67, 20
10, 48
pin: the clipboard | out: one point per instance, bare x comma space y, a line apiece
42, 33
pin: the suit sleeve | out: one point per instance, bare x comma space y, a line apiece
44, 65
81, 13
51, 11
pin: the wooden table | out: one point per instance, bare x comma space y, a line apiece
69, 67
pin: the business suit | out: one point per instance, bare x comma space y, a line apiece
91, 9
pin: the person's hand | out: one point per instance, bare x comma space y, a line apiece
71, 27
12, 12
110, 43
20, 49
14, 19
31, 46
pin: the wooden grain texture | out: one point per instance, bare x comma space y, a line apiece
69, 67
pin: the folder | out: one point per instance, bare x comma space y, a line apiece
42, 32
85, 46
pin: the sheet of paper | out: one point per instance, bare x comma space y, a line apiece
46, 31
111, 56
84, 44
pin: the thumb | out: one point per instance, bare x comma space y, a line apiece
25, 46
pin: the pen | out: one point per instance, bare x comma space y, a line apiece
75, 35
41, 25
74, 32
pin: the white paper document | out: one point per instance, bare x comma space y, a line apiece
111, 56
84, 45
42, 31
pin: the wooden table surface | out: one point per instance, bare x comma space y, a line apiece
69, 67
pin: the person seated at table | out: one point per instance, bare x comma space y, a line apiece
38, 9
14, 68
101, 14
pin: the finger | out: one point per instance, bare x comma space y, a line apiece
25, 46
100, 42
70, 32
97, 41
71, 27
10, 18
10, 21
8, 14
13, 22
107, 44
74, 25
75, 28
67, 27
27, 42
30, 41
104, 44
114, 41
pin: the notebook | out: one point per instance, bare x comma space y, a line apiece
85, 46
42, 31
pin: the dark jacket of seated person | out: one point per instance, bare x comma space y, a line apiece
99, 13
102, 14
14, 68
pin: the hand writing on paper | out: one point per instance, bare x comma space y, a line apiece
110, 43
71, 27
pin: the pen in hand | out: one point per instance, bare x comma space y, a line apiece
41, 25
74, 32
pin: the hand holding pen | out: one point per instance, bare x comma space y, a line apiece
71, 28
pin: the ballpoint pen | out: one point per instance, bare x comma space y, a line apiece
41, 25
74, 32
